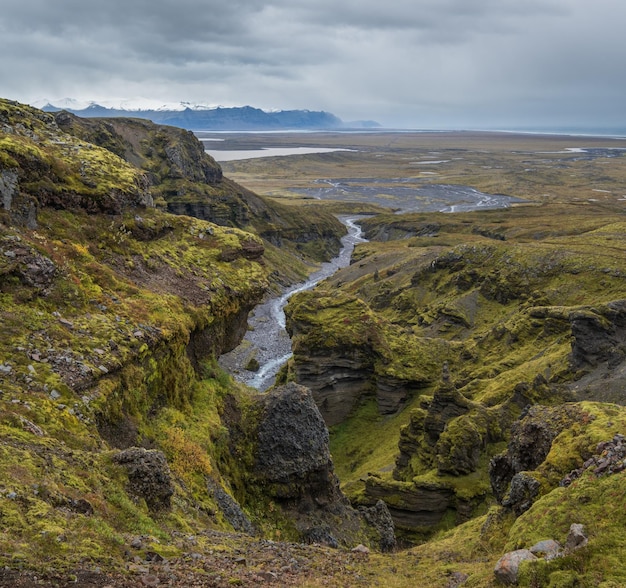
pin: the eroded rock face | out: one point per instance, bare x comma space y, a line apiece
599, 335
294, 466
336, 356
8, 187
337, 382
379, 517
149, 476
412, 506
447, 404
531, 440
230, 508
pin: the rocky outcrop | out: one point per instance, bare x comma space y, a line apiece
225, 211
610, 458
392, 393
337, 382
379, 517
412, 506
599, 335
531, 439
335, 352
230, 508
447, 404
449, 432
8, 187
507, 568
293, 457
293, 465
248, 249
182, 155
149, 476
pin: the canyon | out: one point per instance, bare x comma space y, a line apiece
454, 390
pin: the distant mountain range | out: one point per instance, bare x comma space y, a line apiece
198, 117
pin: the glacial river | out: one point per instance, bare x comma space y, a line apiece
266, 339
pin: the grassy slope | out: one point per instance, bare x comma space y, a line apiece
97, 312
481, 295
109, 303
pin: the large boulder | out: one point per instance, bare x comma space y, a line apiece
149, 476
293, 466
507, 568
293, 456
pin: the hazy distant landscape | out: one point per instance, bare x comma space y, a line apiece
540, 168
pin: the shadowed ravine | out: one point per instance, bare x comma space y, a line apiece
267, 340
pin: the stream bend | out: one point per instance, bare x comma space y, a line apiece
267, 339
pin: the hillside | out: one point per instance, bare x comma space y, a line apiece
467, 365
470, 368
121, 439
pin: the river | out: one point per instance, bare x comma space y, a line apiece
267, 340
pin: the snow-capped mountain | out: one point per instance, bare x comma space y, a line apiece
197, 117
129, 105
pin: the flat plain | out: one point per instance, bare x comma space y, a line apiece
540, 168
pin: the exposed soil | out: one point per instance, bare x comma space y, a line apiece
259, 562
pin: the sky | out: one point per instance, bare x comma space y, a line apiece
462, 64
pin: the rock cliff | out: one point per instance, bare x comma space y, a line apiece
116, 423
183, 179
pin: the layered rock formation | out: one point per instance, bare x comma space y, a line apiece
183, 179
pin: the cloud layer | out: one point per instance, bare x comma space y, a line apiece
410, 63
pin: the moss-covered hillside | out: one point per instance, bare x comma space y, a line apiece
441, 334
472, 368
120, 439
183, 179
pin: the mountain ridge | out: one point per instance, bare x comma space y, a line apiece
198, 117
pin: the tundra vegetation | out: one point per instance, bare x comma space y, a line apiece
470, 366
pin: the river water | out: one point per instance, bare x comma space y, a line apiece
267, 340
407, 194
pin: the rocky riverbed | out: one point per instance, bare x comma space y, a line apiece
266, 346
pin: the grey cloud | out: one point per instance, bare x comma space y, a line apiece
413, 62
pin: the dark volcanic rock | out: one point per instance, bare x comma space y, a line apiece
148, 476
531, 440
412, 506
599, 335
447, 404
523, 491
379, 517
610, 459
337, 382
293, 454
293, 465
230, 508
321, 535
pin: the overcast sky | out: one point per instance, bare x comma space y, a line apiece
404, 63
